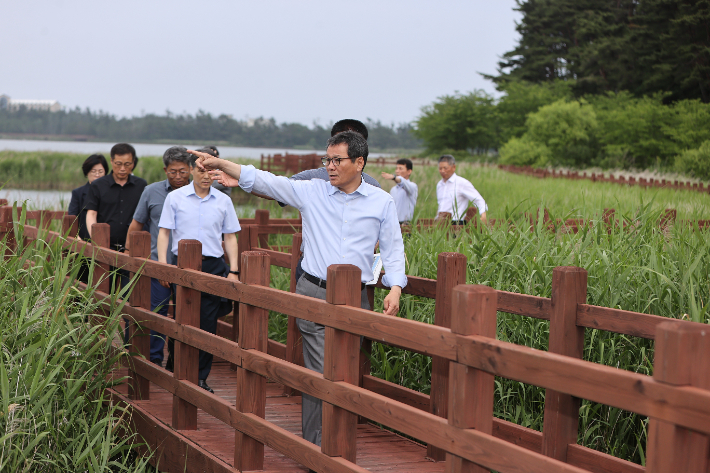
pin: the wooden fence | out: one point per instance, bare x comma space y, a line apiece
601, 177
458, 420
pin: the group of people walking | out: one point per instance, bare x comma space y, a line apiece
345, 215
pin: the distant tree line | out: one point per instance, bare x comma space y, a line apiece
591, 83
201, 127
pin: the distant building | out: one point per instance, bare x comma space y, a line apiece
7, 103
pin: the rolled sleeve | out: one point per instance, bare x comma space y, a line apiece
392, 248
231, 222
246, 178
474, 196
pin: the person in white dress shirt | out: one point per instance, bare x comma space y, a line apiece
454, 193
405, 192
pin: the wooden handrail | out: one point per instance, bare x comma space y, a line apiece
667, 400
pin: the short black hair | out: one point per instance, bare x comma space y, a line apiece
349, 124
406, 162
124, 148
357, 144
176, 153
212, 148
92, 161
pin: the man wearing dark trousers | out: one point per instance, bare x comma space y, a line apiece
198, 211
112, 199
146, 217
343, 218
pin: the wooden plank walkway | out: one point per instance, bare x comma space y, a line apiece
378, 450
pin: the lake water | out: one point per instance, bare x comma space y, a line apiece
144, 149
48, 200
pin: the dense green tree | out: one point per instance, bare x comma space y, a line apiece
643, 46
459, 122
201, 128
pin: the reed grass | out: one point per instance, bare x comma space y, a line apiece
639, 267
55, 370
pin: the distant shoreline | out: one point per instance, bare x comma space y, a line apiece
93, 139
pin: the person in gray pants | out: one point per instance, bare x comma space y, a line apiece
343, 219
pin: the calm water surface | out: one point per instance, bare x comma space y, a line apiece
47, 200
143, 149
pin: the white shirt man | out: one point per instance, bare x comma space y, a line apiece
454, 193
405, 192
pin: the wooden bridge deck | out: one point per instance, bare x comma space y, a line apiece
378, 450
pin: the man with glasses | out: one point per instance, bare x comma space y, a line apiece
113, 198
177, 170
343, 218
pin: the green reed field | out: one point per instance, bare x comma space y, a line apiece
646, 270
650, 270
55, 370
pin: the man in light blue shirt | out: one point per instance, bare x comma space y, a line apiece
146, 217
201, 212
343, 219
405, 192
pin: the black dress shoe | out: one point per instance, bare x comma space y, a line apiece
203, 384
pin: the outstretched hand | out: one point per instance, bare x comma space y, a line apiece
223, 178
205, 162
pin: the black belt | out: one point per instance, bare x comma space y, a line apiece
458, 222
204, 258
321, 282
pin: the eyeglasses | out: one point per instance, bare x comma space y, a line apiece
122, 165
336, 161
182, 173
97, 172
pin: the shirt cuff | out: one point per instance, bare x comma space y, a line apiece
247, 178
394, 279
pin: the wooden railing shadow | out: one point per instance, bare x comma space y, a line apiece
676, 398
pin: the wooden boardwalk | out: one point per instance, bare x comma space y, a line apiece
378, 450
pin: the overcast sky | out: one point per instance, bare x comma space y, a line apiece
297, 61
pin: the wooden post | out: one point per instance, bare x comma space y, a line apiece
187, 312
251, 387
70, 226
474, 312
569, 288
101, 237
262, 218
243, 244
342, 354
140, 297
6, 230
451, 271
294, 342
681, 359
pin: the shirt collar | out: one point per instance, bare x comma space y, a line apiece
167, 185
131, 178
451, 179
191, 190
362, 189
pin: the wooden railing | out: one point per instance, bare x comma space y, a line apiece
676, 398
601, 177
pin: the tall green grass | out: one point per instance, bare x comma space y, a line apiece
637, 266
60, 171
55, 369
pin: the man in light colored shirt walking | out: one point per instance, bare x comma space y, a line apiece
343, 218
201, 212
405, 192
454, 193
146, 217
